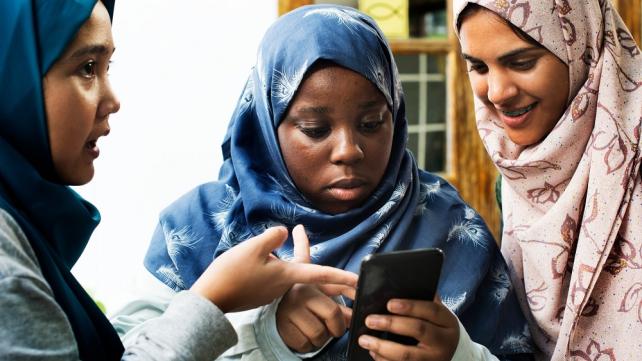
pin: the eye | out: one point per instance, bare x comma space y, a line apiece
314, 132
479, 68
371, 125
523, 65
88, 69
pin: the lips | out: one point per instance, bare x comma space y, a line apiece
520, 111
92, 148
347, 189
347, 183
516, 118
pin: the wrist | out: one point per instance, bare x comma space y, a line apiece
213, 295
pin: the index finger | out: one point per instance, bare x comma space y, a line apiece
316, 274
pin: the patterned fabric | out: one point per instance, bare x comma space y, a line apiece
573, 203
55, 219
409, 209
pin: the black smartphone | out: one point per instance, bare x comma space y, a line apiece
412, 274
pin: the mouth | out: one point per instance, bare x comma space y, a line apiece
347, 189
517, 118
518, 112
92, 147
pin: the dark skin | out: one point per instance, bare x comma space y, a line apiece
334, 138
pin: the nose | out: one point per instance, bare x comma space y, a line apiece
109, 103
346, 149
501, 87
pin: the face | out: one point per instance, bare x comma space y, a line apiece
523, 85
336, 138
79, 99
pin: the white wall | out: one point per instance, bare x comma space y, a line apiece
179, 68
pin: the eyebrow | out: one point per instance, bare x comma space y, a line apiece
370, 104
505, 56
314, 110
97, 49
325, 110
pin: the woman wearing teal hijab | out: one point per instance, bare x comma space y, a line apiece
55, 103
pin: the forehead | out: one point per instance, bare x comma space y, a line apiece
337, 81
486, 35
97, 29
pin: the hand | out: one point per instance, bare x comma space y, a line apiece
430, 323
307, 317
249, 275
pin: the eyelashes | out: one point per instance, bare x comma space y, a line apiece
367, 126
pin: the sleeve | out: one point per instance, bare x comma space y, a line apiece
467, 350
32, 324
34, 327
259, 338
165, 325
191, 328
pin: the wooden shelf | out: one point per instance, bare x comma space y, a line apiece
418, 45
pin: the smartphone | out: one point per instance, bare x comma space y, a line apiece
412, 274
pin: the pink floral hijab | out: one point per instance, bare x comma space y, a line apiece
572, 204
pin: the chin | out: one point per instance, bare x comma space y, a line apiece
523, 140
79, 177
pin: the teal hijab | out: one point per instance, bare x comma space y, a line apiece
55, 219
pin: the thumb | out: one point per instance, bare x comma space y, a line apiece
301, 245
269, 240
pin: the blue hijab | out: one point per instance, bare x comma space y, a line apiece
55, 219
410, 208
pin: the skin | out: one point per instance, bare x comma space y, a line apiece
78, 101
329, 136
333, 144
264, 276
78, 80
430, 323
508, 74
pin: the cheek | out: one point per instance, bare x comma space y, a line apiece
479, 85
300, 159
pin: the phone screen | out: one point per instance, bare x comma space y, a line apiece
412, 274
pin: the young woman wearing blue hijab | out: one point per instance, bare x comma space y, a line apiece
55, 103
319, 138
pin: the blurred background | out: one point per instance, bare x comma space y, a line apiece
179, 69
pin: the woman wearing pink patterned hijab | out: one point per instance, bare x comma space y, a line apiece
558, 95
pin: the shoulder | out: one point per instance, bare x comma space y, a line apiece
437, 192
17, 258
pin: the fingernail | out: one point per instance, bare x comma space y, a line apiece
365, 341
374, 321
396, 306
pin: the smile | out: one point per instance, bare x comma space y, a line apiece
518, 112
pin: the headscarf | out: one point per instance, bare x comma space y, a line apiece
409, 209
572, 203
55, 219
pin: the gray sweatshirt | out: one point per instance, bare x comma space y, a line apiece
34, 327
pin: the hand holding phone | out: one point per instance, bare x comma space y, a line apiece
419, 327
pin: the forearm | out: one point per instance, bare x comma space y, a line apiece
191, 328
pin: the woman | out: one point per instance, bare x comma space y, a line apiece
558, 94
319, 138
55, 104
